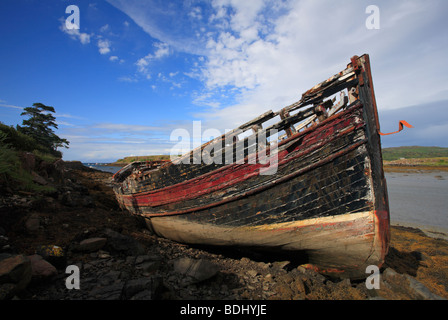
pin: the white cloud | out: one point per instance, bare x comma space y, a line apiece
142, 65
129, 79
196, 13
124, 127
65, 123
75, 34
162, 50
167, 23
104, 28
10, 106
104, 46
68, 116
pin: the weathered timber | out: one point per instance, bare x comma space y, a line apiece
317, 187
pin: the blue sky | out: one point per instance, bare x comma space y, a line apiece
136, 70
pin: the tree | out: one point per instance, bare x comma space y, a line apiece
39, 126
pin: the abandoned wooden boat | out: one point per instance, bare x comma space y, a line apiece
319, 188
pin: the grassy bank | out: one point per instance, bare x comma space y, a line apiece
416, 152
415, 157
127, 160
21, 157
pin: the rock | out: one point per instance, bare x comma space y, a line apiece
421, 290
108, 278
281, 264
147, 288
5, 255
91, 244
308, 271
119, 243
38, 179
103, 254
245, 260
73, 165
32, 223
53, 254
148, 266
300, 287
143, 295
28, 161
197, 270
7, 291
389, 272
110, 292
4, 243
76, 199
144, 258
15, 275
252, 273
41, 269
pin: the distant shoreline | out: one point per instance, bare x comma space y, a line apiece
127, 160
430, 231
439, 164
403, 168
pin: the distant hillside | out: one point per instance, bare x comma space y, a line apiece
127, 160
413, 152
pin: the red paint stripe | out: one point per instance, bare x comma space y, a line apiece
383, 231
264, 187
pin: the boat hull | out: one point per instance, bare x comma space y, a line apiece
341, 246
326, 198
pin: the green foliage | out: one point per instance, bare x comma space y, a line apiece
143, 158
36, 136
18, 139
39, 126
12, 173
413, 152
8, 156
50, 158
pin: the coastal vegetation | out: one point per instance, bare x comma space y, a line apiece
127, 160
416, 157
414, 152
26, 147
39, 126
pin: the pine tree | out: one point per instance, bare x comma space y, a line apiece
40, 126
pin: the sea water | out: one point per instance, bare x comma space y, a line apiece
102, 167
419, 198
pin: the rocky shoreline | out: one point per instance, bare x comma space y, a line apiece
116, 258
